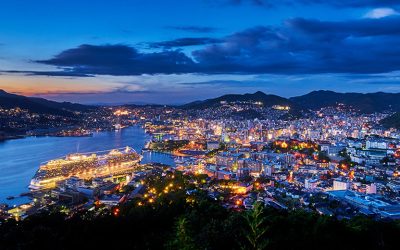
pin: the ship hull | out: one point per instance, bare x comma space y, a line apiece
85, 166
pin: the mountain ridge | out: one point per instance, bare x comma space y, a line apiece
259, 96
40, 105
392, 121
364, 102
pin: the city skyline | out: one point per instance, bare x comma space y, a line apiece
200, 124
176, 52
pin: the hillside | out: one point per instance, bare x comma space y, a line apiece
392, 121
39, 105
172, 223
366, 103
267, 100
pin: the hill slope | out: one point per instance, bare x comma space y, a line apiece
267, 100
366, 103
392, 121
39, 105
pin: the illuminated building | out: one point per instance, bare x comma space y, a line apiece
311, 183
371, 188
340, 185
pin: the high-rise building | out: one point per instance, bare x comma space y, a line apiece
371, 189
340, 185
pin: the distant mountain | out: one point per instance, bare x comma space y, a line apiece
366, 103
39, 105
392, 121
267, 100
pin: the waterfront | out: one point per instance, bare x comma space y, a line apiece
21, 158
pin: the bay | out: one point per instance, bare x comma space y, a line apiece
21, 158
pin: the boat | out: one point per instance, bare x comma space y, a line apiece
146, 146
179, 160
85, 166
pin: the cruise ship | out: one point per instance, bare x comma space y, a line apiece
85, 166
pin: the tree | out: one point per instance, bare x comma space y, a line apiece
256, 228
182, 239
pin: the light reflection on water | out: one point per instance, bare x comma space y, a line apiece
20, 159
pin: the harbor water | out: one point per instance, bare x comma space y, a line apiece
21, 158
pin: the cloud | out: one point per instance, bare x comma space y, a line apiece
381, 12
305, 46
194, 29
119, 60
298, 46
254, 2
112, 97
184, 42
357, 28
228, 83
353, 3
212, 82
392, 78
334, 3
65, 73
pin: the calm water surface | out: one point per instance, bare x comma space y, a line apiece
20, 159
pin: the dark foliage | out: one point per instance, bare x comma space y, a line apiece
200, 225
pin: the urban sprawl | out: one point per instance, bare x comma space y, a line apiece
333, 161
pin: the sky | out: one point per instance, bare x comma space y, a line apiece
173, 52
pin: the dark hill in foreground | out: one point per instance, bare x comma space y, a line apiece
203, 225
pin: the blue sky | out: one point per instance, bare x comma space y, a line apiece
160, 51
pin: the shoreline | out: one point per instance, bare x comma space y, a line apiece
107, 139
167, 153
14, 137
92, 131
16, 175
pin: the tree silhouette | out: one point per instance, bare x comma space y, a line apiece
182, 239
256, 228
